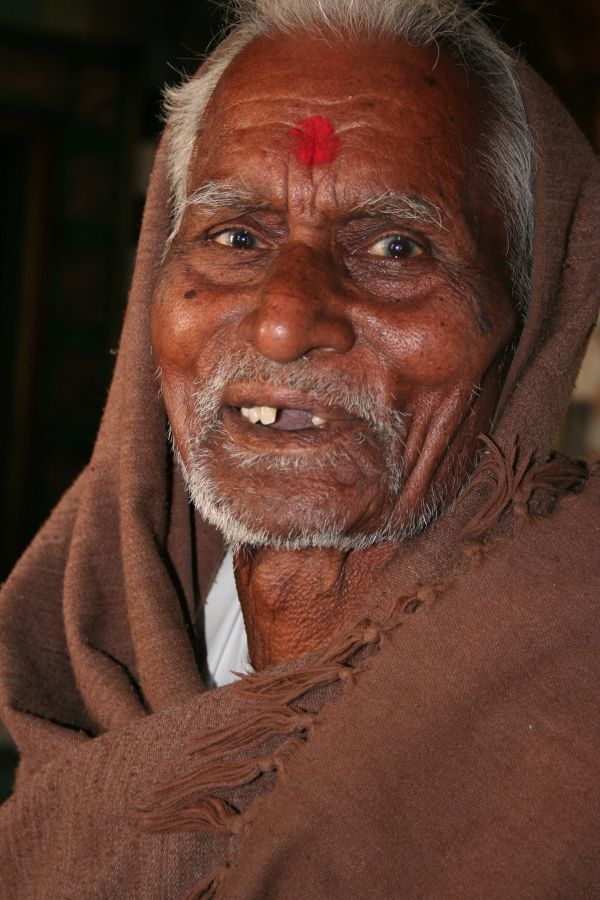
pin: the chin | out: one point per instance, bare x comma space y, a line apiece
291, 524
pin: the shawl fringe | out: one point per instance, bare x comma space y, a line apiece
189, 802
515, 479
207, 888
242, 752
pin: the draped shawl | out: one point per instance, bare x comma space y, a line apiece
447, 745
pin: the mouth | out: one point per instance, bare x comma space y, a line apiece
285, 426
277, 419
283, 419
283, 410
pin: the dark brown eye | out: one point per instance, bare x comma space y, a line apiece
395, 246
238, 239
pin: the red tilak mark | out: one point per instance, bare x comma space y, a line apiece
314, 141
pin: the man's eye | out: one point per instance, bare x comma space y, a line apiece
395, 246
238, 239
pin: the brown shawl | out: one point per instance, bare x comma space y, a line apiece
448, 746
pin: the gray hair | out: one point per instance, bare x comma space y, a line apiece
507, 150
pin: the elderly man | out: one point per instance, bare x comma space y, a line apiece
366, 327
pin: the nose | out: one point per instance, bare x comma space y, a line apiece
300, 308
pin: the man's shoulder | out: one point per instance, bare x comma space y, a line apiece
551, 557
570, 532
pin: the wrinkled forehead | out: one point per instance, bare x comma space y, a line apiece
382, 98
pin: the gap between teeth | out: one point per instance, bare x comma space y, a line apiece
266, 415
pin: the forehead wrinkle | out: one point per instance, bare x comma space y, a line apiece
298, 105
313, 190
291, 100
255, 113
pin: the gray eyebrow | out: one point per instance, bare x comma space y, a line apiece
224, 195
394, 205
215, 195
390, 204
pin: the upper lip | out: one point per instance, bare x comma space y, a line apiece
281, 398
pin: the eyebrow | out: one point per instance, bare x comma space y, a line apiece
397, 205
216, 195
224, 195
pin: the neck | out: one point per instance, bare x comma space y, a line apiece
294, 601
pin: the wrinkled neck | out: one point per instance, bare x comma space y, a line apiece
294, 601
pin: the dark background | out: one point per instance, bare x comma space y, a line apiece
80, 88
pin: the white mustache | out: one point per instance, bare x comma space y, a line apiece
326, 385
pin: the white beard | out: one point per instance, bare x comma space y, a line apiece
235, 518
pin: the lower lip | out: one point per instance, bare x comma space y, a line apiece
264, 438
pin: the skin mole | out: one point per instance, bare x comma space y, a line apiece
430, 81
484, 321
191, 294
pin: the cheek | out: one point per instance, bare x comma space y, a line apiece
185, 317
431, 353
439, 342
178, 332
174, 335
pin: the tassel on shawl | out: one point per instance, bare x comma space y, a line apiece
188, 803
237, 754
514, 480
207, 888
327, 670
246, 750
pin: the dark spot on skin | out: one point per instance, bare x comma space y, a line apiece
429, 80
190, 295
412, 606
369, 104
484, 322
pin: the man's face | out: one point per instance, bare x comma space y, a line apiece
356, 294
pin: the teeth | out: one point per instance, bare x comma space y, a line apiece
252, 413
266, 415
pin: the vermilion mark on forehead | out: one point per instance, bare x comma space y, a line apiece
314, 141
